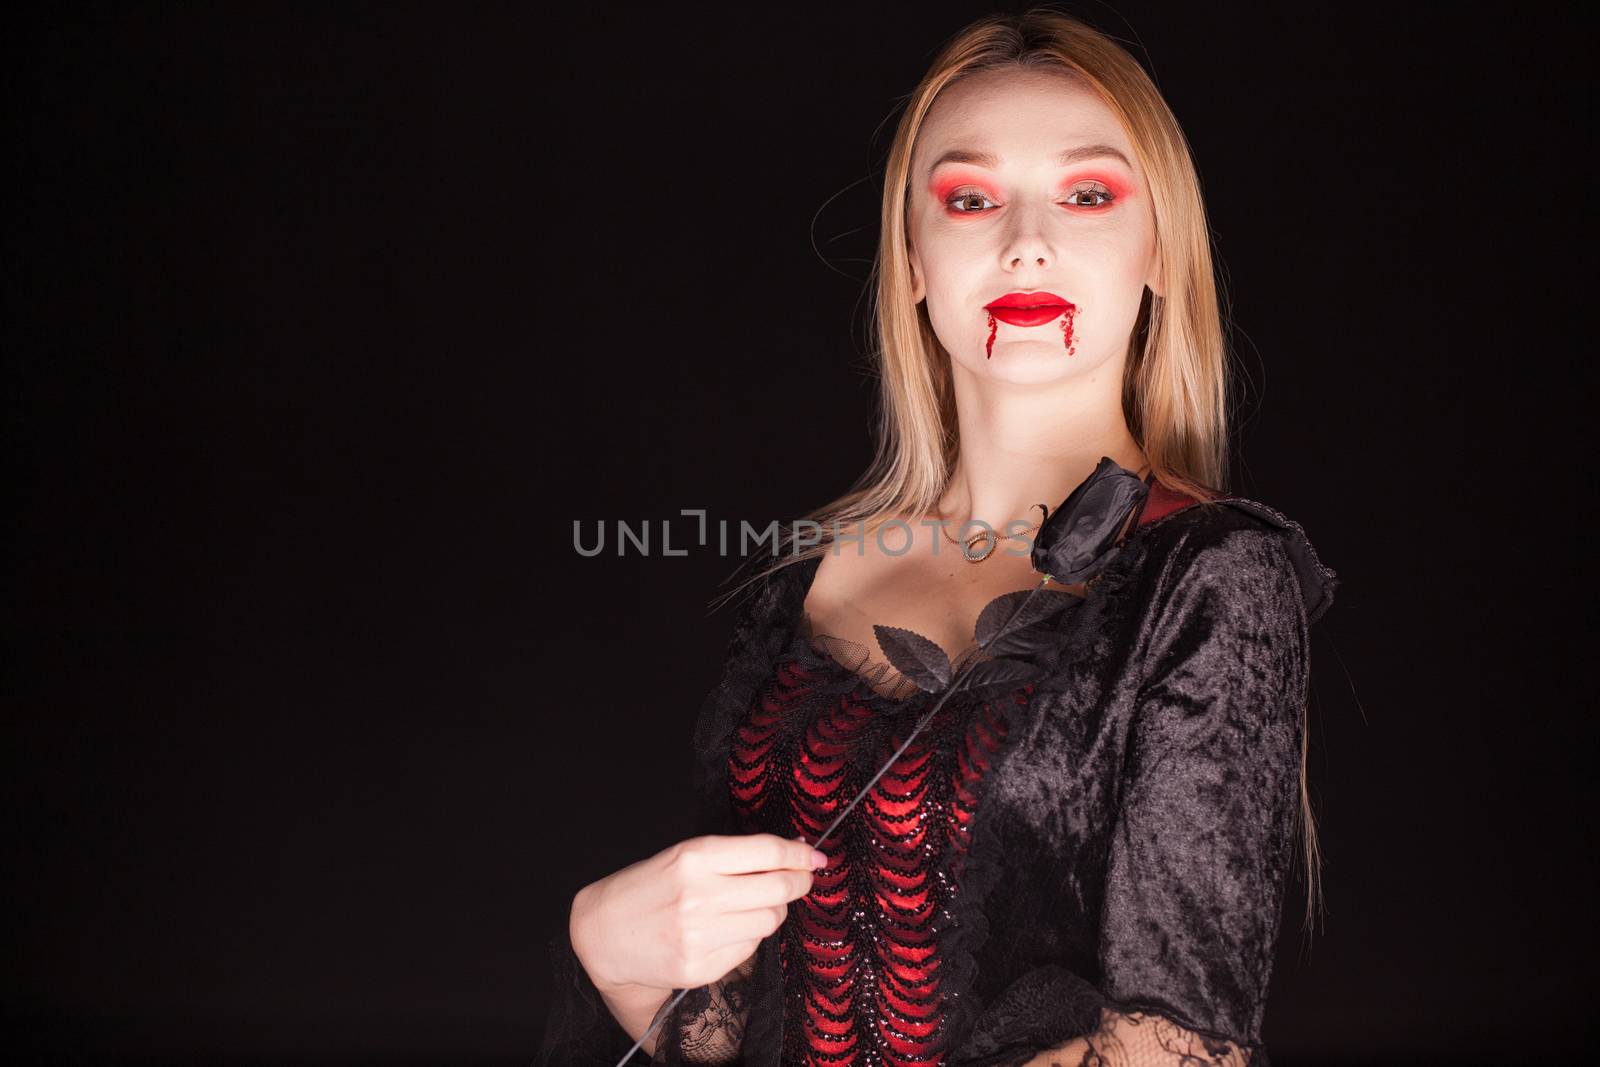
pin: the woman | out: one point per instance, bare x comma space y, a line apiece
1091, 863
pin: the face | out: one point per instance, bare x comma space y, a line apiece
1023, 220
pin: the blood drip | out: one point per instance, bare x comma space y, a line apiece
1066, 329
993, 326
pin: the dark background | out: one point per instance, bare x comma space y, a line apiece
322, 327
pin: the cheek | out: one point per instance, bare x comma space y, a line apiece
1109, 261
948, 264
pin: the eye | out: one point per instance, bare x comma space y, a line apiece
1103, 195
961, 195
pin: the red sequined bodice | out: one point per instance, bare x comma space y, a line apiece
861, 952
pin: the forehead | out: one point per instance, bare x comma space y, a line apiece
1023, 117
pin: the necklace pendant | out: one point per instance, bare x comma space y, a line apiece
993, 543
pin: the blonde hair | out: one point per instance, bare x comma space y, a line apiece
1175, 393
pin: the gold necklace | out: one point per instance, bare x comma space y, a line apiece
991, 537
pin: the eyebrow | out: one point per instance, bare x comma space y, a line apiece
1064, 158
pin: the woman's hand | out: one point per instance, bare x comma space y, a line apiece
691, 913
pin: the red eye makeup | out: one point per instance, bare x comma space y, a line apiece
1105, 190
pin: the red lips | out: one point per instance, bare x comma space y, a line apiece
1028, 309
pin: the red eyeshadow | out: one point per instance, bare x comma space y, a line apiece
1119, 187
944, 186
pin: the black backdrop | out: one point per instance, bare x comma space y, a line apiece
322, 326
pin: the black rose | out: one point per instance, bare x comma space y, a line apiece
1079, 538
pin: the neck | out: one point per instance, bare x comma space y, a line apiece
1023, 446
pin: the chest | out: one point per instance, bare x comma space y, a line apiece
1033, 774
938, 595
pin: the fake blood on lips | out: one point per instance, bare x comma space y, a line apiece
1028, 310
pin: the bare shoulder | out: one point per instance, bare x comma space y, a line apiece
853, 572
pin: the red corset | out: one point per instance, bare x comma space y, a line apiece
860, 953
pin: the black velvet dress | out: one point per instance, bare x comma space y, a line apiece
1100, 854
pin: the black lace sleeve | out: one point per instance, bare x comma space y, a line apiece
1202, 842
709, 1025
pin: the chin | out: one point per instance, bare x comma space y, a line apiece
1031, 363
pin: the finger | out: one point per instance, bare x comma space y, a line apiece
766, 889
739, 927
748, 853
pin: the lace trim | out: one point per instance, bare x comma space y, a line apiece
876, 678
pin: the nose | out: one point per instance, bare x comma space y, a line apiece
1027, 247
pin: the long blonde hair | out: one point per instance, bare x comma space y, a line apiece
1175, 393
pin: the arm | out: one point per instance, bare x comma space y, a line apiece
709, 1034
632, 1006
1200, 850
595, 1020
